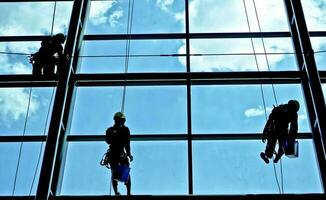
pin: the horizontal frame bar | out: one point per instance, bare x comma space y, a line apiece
180, 78
144, 79
149, 137
22, 80
182, 197
26, 138
168, 137
27, 38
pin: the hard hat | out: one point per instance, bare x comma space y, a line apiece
119, 115
60, 37
294, 104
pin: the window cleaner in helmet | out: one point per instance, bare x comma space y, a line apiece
118, 137
49, 55
276, 129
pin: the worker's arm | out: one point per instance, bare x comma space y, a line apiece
107, 135
128, 146
294, 126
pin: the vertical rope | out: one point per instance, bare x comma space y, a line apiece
255, 56
261, 87
21, 143
42, 144
53, 17
129, 27
265, 52
274, 92
47, 115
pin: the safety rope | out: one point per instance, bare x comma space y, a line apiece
261, 87
129, 27
255, 56
274, 93
127, 52
42, 144
48, 112
264, 48
21, 143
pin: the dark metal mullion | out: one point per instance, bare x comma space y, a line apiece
56, 130
149, 137
175, 137
189, 127
310, 81
29, 38
69, 105
25, 138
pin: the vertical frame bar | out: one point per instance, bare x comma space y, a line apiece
65, 83
311, 83
189, 123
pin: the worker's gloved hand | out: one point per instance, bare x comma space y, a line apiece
131, 158
264, 137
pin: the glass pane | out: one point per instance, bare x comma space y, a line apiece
319, 47
95, 107
239, 108
13, 109
32, 152
14, 57
85, 176
34, 18
235, 167
230, 16
314, 12
111, 17
144, 56
214, 55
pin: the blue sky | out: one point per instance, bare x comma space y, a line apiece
220, 167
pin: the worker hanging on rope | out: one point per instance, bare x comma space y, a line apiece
119, 155
49, 55
276, 129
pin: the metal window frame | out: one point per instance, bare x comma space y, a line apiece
186, 78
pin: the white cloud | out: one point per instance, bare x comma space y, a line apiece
256, 112
24, 19
164, 4
13, 104
229, 16
101, 13
302, 117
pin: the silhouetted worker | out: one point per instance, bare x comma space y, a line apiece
276, 129
50, 54
118, 137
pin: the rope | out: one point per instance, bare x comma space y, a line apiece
129, 27
21, 143
274, 93
40, 152
255, 56
261, 87
281, 168
53, 16
276, 178
48, 112
263, 43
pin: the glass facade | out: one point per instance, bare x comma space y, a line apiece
196, 79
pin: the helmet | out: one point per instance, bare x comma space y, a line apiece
294, 104
119, 115
60, 37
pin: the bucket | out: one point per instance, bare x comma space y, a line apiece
121, 173
291, 149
